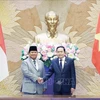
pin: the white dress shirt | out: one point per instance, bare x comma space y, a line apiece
63, 61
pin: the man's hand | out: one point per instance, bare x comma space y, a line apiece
40, 80
72, 90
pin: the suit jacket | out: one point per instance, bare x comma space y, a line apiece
30, 76
64, 79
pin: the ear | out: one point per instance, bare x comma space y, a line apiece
58, 23
58, 20
45, 19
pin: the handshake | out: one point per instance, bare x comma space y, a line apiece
40, 80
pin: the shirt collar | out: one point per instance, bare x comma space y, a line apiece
34, 59
63, 59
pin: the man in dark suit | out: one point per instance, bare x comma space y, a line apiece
64, 73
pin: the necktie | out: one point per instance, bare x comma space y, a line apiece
34, 62
60, 64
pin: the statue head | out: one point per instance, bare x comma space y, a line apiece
52, 20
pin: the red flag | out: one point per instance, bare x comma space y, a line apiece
2, 44
96, 48
3, 59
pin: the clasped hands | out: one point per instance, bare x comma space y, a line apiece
40, 80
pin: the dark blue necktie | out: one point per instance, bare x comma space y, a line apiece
60, 63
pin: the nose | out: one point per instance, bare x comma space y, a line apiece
52, 20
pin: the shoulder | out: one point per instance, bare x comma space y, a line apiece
24, 63
26, 60
41, 35
54, 60
71, 59
40, 61
63, 35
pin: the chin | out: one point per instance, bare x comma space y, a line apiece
60, 57
33, 57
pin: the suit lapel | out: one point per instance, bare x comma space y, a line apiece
30, 60
39, 65
57, 62
65, 64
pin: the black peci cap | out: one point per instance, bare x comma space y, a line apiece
32, 48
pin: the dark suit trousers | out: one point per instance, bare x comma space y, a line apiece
61, 92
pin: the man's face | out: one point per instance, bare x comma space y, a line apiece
60, 52
52, 21
33, 54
